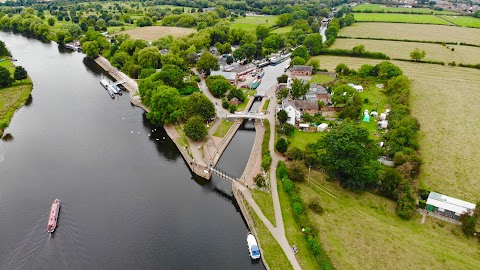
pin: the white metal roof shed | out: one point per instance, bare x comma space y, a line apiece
448, 203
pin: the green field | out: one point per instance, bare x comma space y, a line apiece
441, 99
301, 138
399, 18
441, 33
464, 21
402, 50
362, 231
321, 78
282, 30
383, 8
223, 128
251, 22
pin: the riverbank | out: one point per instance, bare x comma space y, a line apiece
12, 98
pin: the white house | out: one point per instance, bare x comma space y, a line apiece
293, 113
448, 206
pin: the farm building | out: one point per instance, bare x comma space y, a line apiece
302, 70
448, 206
230, 76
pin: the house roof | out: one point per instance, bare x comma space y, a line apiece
319, 89
302, 68
228, 75
306, 105
448, 203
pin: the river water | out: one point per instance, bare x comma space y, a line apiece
128, 198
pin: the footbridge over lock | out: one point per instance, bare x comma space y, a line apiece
246, 115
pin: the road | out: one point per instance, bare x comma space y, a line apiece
323, 29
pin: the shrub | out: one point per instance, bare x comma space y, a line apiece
232, 108
260, 181
315, 207
288, 186
296, 171
297, 208
225, 104
266, 161
281, 145
469, 223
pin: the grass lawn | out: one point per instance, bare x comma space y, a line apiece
223, 128
441, 99
402, 50
11, 99
321, 78
265, 105
242, 105
272, 251
250, 92
362, 231
251, 22
265, 202
416, 32
151, 33
182, 140
383, 8
301, 138
116, 29
401, 18
282, 30
294, 232
467, 21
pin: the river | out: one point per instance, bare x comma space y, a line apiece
128, 198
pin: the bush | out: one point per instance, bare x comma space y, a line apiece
469, 223
294, 154
260, 181
297, 171
232, 108
281, 145
288, 186
315, 207
297, 209
266, 161
225, 104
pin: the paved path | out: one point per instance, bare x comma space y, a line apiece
217, 102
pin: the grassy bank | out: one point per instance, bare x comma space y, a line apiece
223, 128
322, 78
272, 251
265, 202
11, 99
362, 231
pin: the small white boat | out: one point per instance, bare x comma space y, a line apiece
253, 246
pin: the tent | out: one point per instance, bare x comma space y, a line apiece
366, 116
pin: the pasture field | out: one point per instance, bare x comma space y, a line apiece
383, 8
444, 101
413, 32
282, 30
402, 50
151, 33
400, 18
362, 231
300, 138
463, 21
251, 22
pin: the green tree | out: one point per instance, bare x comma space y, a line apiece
296, 171
302, 52
313, 42
195, 128
149, 57
315, 63
119, 59
283, 93
359, 50
281, 145
91, 49
172, 76
366, 70
406, 201
234, 92
299, 89
3, 49
207, 62
476, 14
469, 223
262, 32
342, 94
166, 106
19, 74
297, 61
282, 116
351, 155
5, 79
229, 59
388, 70
218, 85
198, 104
282, 79
390, 181
51, 21
417, 55
342, 69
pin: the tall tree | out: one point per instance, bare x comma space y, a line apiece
166, 106
91, 49
3, 49
207, 62
313, 43
351, 155
299, 89
149, 57
20, 73
199, 105
282, 116
5, 79
172, 76
417, 55
195, 128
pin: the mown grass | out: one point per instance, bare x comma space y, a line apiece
250, 23
265, 202
272, 251
223, 128
467, 21
151, 33
441, 33
444, 102
11, 99
362, 231
282, 30
400, 18
265, 105
321, 78
242, 105
293, 232
402, 50
383, 8
300, 138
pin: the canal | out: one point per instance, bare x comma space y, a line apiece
128, 198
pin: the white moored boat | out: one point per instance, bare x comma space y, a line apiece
253, 246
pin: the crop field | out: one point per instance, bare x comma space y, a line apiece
151, 33
401, 50
413, 32
251, 22
464, 21
362, 231
444, 102
400, 18
383, 8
